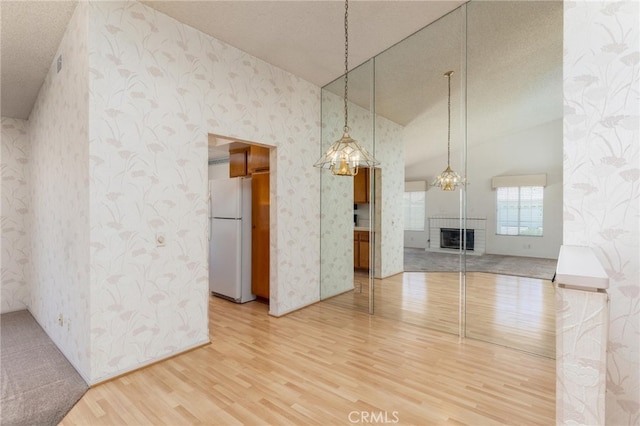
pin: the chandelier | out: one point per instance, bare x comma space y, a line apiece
346, 156
448, 180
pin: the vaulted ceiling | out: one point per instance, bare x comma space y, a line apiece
305, 38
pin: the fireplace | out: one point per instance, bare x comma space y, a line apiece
475, 236
450, 238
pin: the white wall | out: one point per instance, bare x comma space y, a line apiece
530, 151
158, 87
601, 175
59, 195
416, 239
15, 158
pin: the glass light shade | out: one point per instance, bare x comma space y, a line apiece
448, 180
345, 157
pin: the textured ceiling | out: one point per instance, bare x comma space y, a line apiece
306, 38
302, 37
512, 70
513, 54
30, 35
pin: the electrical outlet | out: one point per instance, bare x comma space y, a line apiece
60, 320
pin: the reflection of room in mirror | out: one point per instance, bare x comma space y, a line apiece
506, 120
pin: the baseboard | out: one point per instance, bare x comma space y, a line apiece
123, 372
62, 350
281, 314
146, 364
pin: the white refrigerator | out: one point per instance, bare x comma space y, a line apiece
230, 239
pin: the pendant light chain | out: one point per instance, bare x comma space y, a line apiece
449, 123
345, 156
448, 180
346, 63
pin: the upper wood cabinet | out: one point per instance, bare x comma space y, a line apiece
361, 187
248, 160
258, 160
238, 162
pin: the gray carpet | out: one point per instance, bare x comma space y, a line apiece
419, 260
39, 385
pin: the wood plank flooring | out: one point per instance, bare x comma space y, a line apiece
517, 312
327, 365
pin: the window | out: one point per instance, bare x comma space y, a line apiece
414, 208
519, 210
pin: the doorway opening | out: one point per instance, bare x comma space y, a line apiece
239, 219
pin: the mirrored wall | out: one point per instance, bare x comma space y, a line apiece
342, 215
514, 169
476, 261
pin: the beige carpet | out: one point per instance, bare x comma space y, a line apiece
39, 385
419, 260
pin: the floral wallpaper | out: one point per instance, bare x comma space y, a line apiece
15, 209
389, 150
157, 88
148, 178
581, 344
59, 196
337, 196
336, 246
119, 158
602, 175
255, 101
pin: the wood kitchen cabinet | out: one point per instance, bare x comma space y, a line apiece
361, 249
258, 159
361, 187
260, 234
238, 162
248, 160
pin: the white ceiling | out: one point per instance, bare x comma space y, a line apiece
511, 70
305, 38
30, 34
513, 54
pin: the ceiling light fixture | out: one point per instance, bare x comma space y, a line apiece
448, 180
346, 156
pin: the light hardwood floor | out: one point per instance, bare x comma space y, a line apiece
517, 312
327, 365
